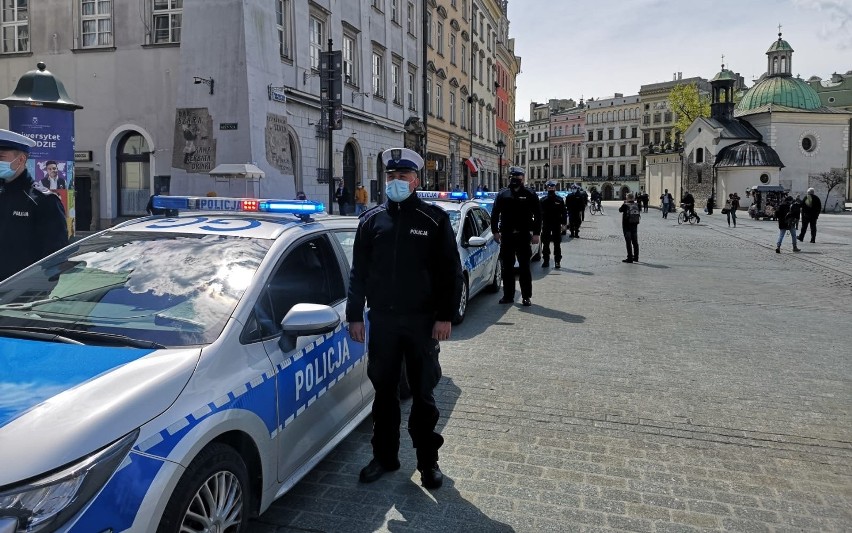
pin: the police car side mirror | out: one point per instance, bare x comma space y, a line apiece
306, 319
476, 242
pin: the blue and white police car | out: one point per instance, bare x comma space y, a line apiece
177, 374
478, 251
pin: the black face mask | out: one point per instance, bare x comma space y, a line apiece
514, 183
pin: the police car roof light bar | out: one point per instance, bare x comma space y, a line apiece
483, 194
457, 196
301, 208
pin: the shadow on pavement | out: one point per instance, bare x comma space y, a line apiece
547, 312
651, 265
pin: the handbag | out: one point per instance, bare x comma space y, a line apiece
725, 210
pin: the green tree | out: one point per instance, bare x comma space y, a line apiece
688, 104
830, 180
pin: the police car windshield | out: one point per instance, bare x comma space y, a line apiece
455, 217
173, 289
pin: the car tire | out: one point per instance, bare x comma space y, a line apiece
465, 299
217, 467
497, 282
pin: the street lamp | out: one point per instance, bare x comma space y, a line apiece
546, 168
501, 148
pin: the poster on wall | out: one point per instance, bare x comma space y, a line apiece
51, 160
194, 147
278, 144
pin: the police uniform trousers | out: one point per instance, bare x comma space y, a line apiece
574, 221
392, 338
512, 245
551, 233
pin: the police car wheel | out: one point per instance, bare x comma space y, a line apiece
497, 282
212, 495
460, 314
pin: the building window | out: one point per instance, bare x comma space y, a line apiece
282, 18
634, 132
440, 37
395, 11
411, 89
611, 150
600, 135
622, 150
633, 149
15, 26
622, 169
589, 171
350, 56
633, 169
96, 18
600, 151
452, 107
463, 114
379, 4
396, 83
439, 100
611, 134
316, 36
699, 155
591, 152
610, 171
464, 58
623, 133
167, 20
429, 29
410, 20
591, 136
378, 73
453, 48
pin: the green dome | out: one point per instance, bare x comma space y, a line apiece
725, 75
780, 45
780, 90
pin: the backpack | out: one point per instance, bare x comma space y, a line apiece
792, 217
633, 213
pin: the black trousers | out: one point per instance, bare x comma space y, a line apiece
631, 239
392, 338
575, 220
551, 233
805, 223
514, 245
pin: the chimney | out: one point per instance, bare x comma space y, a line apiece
680, 76
674, 76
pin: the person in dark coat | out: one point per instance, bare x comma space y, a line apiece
554, 216
32, 218
785, 223
406, 269
630, 229
811, 207
574, 204
341, 196
516, 222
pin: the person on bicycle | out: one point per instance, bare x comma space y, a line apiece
689, 206
596, 198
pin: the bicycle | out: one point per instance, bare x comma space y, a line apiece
596, 208
686, 216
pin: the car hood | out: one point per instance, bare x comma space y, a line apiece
60, 402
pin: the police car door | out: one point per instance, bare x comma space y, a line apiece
472, 257
491, 252
318, 391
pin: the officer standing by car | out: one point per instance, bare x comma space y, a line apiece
406, 266
516, 216
554, 216
32, 218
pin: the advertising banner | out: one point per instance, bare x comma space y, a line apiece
51, 160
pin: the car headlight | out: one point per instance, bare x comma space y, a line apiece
45, 503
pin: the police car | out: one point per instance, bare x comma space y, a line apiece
478, 251
486, 201
177, 374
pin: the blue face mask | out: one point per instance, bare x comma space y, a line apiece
397, 190
6, 171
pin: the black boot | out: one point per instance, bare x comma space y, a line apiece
431, 477
375, 469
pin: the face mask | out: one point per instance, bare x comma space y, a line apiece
6, 171
514, 183
397, 190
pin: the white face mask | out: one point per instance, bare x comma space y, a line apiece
398, 190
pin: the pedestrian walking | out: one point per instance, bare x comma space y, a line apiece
811, 207
574, 205
554, 216
412, 284
666, 202
516, 217
787, 219
730, 208
584, 198
360, 199
711, 203
32, 217
630, 217
341, 196
645, 199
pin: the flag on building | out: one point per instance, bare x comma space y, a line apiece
473, 165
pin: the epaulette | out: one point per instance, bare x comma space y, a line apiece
372, 211
44, 191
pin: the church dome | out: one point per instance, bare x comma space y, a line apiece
783, 91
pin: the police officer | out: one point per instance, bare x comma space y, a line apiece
406, 266
516, 216
575, 205
32, 219
554, 216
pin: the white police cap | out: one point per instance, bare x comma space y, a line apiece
517, 171
9, 140
401, 159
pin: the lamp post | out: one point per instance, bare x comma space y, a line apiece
501, 148
546, 168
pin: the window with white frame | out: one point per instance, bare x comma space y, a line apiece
411, 18
463, 114
429, 29
473, 19
396, 83
395, 11
440, 37
167, 20
96, 23
453, 48
411, 89
350, 58
464, 58
429, 94
317, 28
378, 73
15, 26
379, 4
285, 32
452, 107
439, 100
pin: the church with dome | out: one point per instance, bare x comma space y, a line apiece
778, 133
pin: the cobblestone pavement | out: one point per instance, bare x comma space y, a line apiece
708, 387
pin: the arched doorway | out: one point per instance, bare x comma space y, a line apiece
606, 191
624, 191
133, 160
350, 172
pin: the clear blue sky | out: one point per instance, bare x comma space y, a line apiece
597, 48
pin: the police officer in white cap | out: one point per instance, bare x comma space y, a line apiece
32, 219
406, 269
